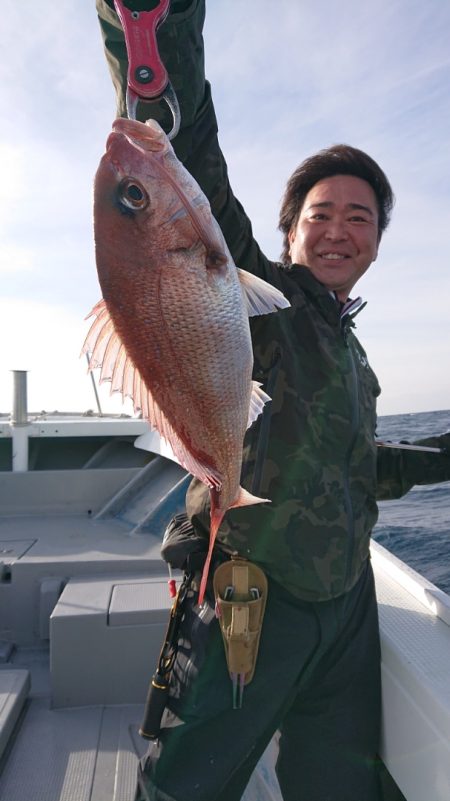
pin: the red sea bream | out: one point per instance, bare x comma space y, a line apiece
172, 329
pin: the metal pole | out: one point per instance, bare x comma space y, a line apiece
19, 415
405, 447
19, 422
94, 386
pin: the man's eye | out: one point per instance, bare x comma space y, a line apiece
319, 217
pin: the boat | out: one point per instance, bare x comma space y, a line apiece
84, 604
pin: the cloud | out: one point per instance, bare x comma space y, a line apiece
325, 72
286, 82
46, 340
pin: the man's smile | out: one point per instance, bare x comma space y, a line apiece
334, 256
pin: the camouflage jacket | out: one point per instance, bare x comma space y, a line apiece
312, 452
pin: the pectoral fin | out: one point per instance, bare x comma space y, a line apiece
261, 297
257, 401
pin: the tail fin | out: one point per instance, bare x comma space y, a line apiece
216, 519
243, 498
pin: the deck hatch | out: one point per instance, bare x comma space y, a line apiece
12, 550
139, 603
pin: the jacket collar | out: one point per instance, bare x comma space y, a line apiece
325, 301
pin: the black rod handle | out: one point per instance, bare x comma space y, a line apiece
155, 705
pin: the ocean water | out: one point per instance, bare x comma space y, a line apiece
416, 528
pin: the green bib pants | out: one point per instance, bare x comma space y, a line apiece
317, 682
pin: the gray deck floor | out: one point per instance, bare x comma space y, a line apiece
82, 754
85, 754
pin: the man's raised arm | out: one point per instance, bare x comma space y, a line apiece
180, 44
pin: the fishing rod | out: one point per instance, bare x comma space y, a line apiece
406, 447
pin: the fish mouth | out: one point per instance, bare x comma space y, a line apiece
120, 149
112, 139
150, 137
147, 136
117, 138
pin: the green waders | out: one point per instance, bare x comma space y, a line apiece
317, 681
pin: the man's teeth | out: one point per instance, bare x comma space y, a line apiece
333, 256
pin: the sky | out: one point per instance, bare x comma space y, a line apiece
288, 78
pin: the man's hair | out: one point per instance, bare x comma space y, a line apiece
334, 160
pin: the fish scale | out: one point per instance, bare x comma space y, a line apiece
172, 331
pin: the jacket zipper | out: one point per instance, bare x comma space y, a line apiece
263, 438
355, 417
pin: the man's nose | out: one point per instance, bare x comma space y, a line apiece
336, 230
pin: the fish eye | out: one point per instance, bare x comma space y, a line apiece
132, 194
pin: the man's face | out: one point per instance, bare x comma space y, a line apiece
336, 235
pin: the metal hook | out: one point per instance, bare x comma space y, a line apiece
132, 100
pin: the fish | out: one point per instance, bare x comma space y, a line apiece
171, 331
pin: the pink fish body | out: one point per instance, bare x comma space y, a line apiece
172, 329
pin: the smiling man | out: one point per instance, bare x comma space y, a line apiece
336, 235
312, 453
336, 207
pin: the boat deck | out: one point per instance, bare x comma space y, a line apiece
83, 609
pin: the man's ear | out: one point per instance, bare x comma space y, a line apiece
376, 251
291, 237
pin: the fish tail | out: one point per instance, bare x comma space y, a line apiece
216, 519
243, 498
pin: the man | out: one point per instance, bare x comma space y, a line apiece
313, 453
